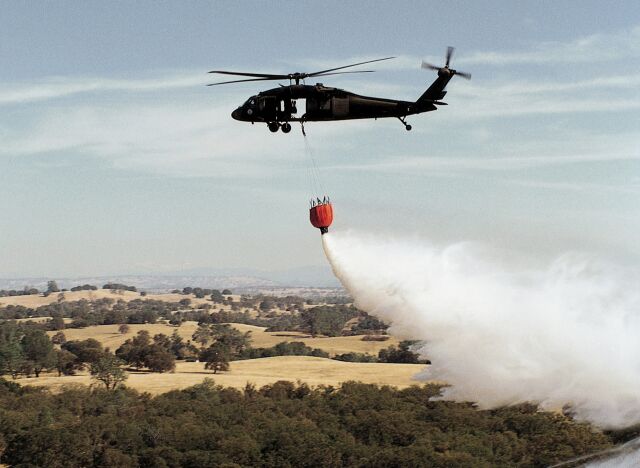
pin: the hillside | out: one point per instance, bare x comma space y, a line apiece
109, 336
311, 370
37, 300
261, 370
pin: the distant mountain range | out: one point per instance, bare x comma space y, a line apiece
239, 279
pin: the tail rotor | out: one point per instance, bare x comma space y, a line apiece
446, 71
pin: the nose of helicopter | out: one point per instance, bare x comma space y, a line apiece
236, 114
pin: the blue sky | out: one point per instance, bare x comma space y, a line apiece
115, 158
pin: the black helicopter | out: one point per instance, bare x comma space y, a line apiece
277, 107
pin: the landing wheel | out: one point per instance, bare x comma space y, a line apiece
273, 126
404, 122
286, 127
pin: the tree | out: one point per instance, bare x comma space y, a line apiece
267, 305
134, 350
38, 349
216, 296
52, 287
180, 349
108, 370
57, 322
59, 338
327, 320
226, 292
124, 329
215, 357
65, 362
11, 355
235, 341
176, 321
158, 359
87, 351
155, 355
3, 445
202, 335
401, 354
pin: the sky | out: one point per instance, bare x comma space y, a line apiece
115, 158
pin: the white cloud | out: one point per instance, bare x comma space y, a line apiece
599, 47
576, 148
177, 139
59, 87
576, 186
472, 163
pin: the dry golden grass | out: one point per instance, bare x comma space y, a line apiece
109, 336
39, 300
333, 345
311, 370
42, 320
34, 301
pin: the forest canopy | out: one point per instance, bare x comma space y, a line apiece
279, 425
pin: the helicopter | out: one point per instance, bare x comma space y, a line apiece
277, 107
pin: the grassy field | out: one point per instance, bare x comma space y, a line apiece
38, 300
314, 371
109, 336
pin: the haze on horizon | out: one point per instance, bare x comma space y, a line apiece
116, 159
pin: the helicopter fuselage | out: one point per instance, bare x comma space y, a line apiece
322, 104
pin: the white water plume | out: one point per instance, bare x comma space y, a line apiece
501, 333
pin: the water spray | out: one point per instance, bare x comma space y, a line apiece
564, 336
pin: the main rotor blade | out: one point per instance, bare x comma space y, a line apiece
347, 66
449, 54
464, 74
344, 73
255, 75
241, 81
429, 66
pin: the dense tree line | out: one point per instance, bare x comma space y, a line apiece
84, 287
275, 313
27, 291
400, 354
24, 350
214, 294
157, 354
27, 350
119, 287
279, 425
286, 348
103, 311
327, 320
